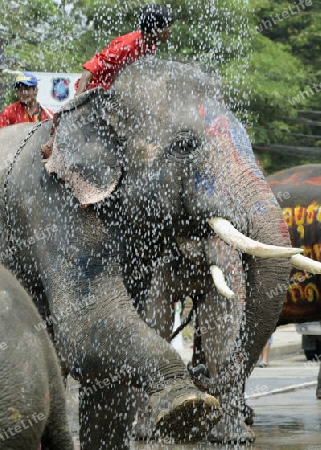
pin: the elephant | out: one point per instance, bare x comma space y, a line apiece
15, 136
32, 397
298, 191
148, 188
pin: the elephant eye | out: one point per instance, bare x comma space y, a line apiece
185, 142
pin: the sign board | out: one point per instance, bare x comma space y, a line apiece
55, 89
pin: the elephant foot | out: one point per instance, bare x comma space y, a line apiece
199, 373
178, 413
203, 382
248, 414
318, 392
231, 430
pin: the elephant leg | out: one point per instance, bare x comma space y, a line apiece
318, 391
105, 416
219, 321
157, 308
57, 435
218, 324
137, 356
157, 311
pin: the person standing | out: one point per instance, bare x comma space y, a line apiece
264, 362
101, 70
27, 109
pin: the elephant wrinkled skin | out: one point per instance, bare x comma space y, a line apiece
32, 398
115, 222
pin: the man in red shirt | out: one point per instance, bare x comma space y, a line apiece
101, 70
27, 109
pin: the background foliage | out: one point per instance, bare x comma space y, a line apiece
265, 57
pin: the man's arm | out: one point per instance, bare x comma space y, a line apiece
85, 79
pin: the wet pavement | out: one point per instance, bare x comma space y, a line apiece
288, 415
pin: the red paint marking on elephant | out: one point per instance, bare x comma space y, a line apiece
283, 228
221, 128
293, 179
201, 110
46, 398
316, 181
298, 179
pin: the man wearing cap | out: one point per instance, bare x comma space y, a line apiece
101, 70
27, 109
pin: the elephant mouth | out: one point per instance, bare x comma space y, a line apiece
232, 237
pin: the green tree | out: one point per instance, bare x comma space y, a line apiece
42, 36
264, 73
286, 70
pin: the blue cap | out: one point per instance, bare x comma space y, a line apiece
26, 78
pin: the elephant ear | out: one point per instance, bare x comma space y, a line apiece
87, 154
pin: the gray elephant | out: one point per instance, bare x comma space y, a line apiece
32, 398
298, 191
104, 231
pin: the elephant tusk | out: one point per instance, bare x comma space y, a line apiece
225, 230
220, 283
304, 263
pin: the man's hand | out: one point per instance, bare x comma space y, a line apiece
85, 79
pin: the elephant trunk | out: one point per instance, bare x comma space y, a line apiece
267, 278
267, 282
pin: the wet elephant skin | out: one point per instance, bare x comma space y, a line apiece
106, 228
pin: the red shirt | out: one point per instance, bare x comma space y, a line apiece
121, 52
16, 113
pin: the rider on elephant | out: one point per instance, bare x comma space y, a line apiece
101, 70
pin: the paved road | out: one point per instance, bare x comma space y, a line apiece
288, 415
